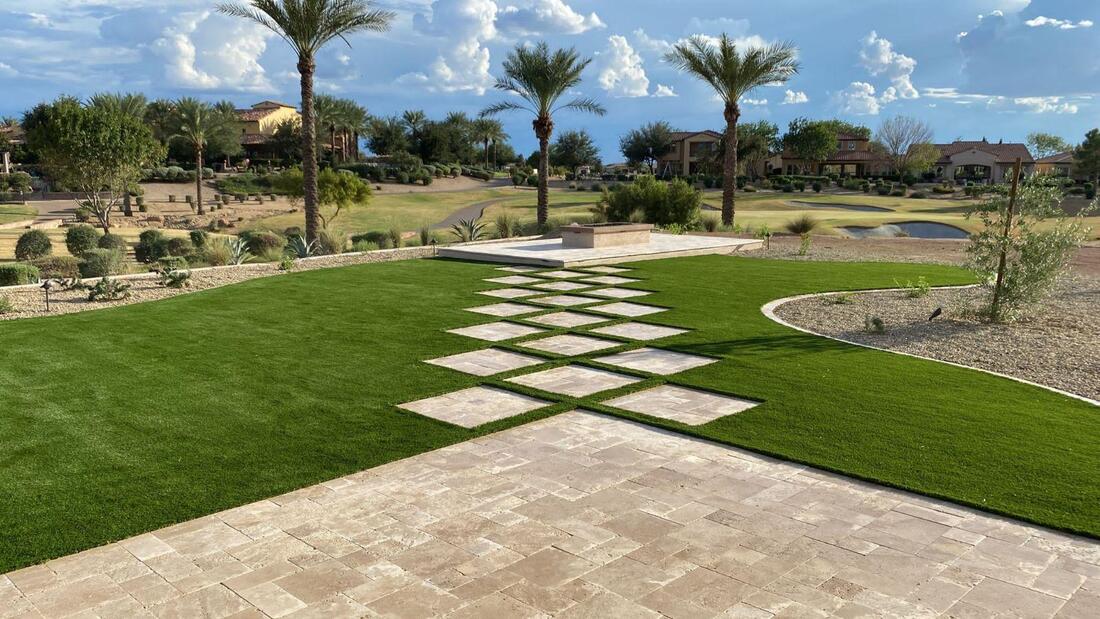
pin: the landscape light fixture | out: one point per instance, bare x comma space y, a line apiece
46, 287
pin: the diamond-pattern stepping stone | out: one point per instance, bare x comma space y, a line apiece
610, 280
656, 361
607, 270
561, 274
504, 309
486, 362
688, 406
618, 293
561, 286
638, 331
509, 293
496, 331
565, 300
630, 310
519, 269
474, 406
569, 344
566, 320
574, 380
514, 279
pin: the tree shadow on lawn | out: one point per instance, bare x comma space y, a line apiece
773, 345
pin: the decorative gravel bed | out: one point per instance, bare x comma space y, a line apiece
1058, 347
29, 301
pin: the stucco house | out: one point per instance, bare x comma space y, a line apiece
1059, 164
981, 161
257, 123
690, 149
853, 157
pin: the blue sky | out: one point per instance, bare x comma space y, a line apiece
972, 68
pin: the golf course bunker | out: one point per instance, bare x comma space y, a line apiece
846, 207
914, 229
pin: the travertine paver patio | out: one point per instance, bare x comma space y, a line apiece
630, 310
519, 268
561, 274
496, 331
656, 360
565, 300
610, 280
618, 293
690, 406
486, 362
638, 331
509, 293
574, 380
578, 515
475, 406
607, 270
569, 344
504, 309
561, 286
567, 320
514, 280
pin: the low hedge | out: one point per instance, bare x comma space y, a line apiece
18, 273
100, 262
58, 267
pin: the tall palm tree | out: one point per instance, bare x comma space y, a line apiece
131, 104
540, 78
197, 123
415, 121
326, 109
308, 25
733, 74
353, 121
486, 130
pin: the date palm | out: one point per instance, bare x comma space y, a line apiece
308, 25
486, 130
131, 104
540, 78
414, 121
326, 109
733, 74
197, 123
353, 122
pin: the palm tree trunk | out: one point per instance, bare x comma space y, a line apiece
198, 178
332, 143
494, 154
729, 166
355, 145
543, 127
486, 153
306, 67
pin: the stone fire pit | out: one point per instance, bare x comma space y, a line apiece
591, 236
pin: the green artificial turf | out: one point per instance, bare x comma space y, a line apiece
124, 420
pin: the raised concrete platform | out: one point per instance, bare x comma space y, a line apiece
551, 253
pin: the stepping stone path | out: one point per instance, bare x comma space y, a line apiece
561, 286
561, 274
656, 361
497, 331
565, 300
688, 406
630, 310
618, 293
475, 406
574, 380
608, 270
610, 280
504, 309
486, 362
639, 331
567, 320
519, 269
570, 345
509, 293
514, 280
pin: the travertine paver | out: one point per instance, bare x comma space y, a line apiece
514, 280
638, 331
566, 320
486, 362
630, 310
656, 360
496, 331
570, 344
509, 293
561, 274
607, 270
565, 300
519, 268
504, 309
474, 406
574, 380
561, 286
579, 515
689, 406
618, 293
610, 280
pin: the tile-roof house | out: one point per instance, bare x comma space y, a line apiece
258, 122
853, 157
689, 150
982, 161
1058, 164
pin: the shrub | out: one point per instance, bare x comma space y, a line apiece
403, 177
329, 243
507, 226
100, 262
364, 246
175, 278
111, 241
817, 187
151, 246
533, 180
178, 246
1090, 191
899, 192
799, 185
882, 190
80, 238
943, 189
172, 263
915, 290
426, 235
788, 188
426, 179
108, 289
659, 203
6, 306
467, 230
260, 241
381, 240
802, 225
298, 247
517, 180
396, 240
711, 223
33, 244
58, 267
17, 274
918, 195
198, 238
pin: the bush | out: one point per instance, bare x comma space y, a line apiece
178, 246
802, 225
108, 289
33, 244
426, 179
403, 177
364, 246
17, 274
329, 243
100, 262
1090, 191
661, 203
882, 190
711, 224
788, 188
517, 180
533, 180
817, 187
198, 238
111, 241
396, 240
261, 241
507, 226
172, 263
899, 192
151, 246
918, 195
943, 189
6, 306
381, 240
58, 267
426, 235
80, 238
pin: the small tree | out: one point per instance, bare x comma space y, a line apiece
647, 144
573, 149
1046, 144
335, 190
198, 124
1086, 157
810, 141
905, 141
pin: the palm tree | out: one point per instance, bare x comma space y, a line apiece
733, 74
487, 130
355, 119
131, 104
540, 78
327, 116
414, 121
308, 25
198, 123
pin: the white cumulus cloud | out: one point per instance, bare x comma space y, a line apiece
664, 91
859, 98
754, 102
1060, 24
545, 17
207, 51
879, 58
621, 73
463, 63
792, 97
1046, 105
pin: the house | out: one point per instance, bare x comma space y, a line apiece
1059, 164
853, 157
259, 122
982, 161
691, 151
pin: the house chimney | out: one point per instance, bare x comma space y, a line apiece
1001, 141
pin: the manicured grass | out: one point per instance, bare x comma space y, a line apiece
16, 212
123, 420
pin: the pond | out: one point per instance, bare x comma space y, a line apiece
914, 229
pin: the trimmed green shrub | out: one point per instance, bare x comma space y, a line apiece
817, 187
381, 240
533, 180
151, 246
178, 246
58, 267
918, 195
17, 274
100, 262
661, 203
111, 241
173, 263
261, 241
198, 237
80, 238
33, 244
329, 243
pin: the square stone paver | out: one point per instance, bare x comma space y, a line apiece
567, 320
513, 280
609, 280
689, 406
565, 300
631, 310
618, 293
639, 331
574, 380
561, 274
474, 406
561, 286
570, 344
496, 331
607, 270
486, 362
504, 309
519, 268
509, 293
656, 361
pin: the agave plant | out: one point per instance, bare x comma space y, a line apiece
468, 230
238, 251
299, 247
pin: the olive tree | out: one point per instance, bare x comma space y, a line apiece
336, 191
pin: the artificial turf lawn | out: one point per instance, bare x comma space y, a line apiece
123, 420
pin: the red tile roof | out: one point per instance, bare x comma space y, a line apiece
1066, 157
252, 139
680, 136
1005, 152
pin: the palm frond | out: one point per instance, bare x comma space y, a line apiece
583, 104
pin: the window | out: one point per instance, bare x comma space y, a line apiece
851, 145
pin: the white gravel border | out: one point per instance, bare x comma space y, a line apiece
769, 310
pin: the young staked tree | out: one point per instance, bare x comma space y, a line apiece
905, 140
733, 74
540, 78
307, 26
198, 124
